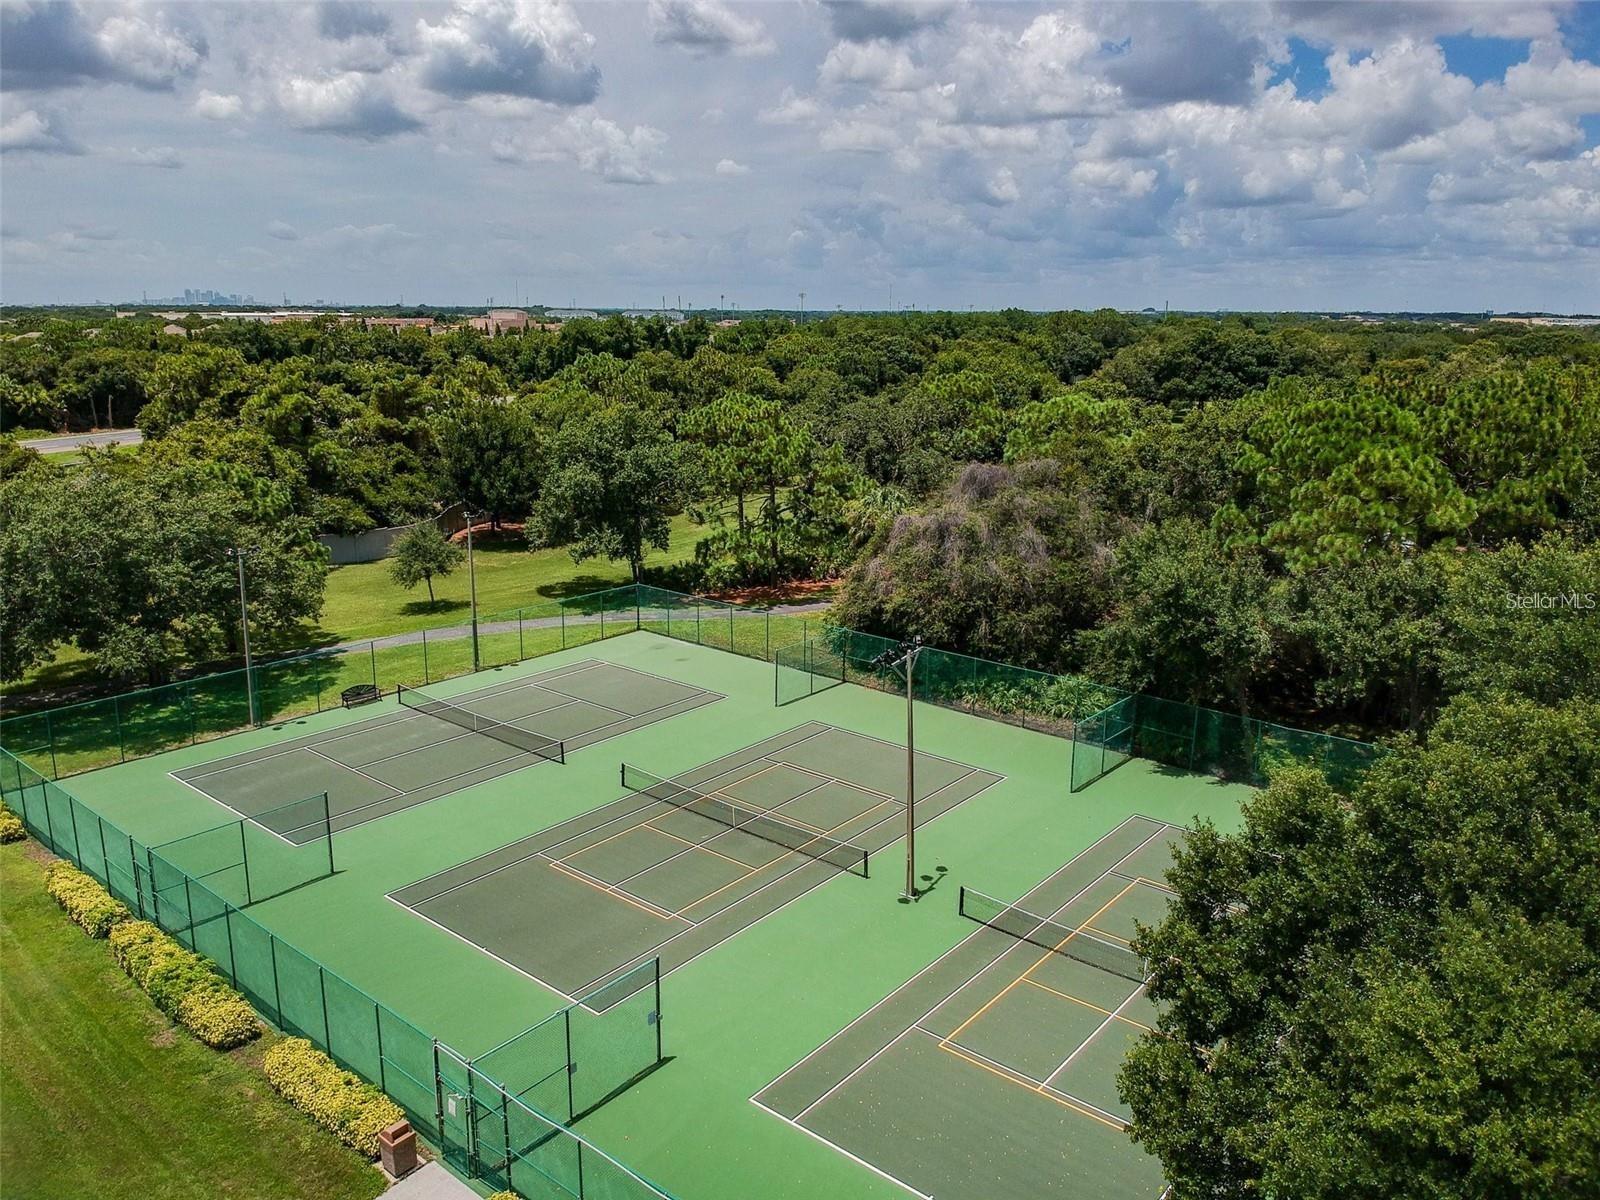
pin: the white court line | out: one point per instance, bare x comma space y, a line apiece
812, 1133
622, 893
1066, 1062
1022, 1077
358, 771
460, 937
705, 695
954, 949
802, 864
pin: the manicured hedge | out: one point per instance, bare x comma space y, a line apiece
11, 826
85, 901
184, 986
354, 1111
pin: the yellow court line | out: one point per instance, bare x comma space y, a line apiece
1105, 1012
752, 870
691, 845
646, 823
1043, 958
1022, 1081
860, 787
600, 886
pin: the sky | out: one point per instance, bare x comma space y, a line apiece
942, 154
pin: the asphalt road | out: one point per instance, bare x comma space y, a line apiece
77, 441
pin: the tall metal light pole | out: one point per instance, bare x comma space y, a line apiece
237, 553
903, 658
472, 587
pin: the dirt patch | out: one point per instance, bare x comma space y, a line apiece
800, 591
164, 1037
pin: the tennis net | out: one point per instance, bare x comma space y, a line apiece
757, 822
1072, 941
522, 739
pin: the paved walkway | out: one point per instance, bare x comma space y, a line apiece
77, 441
430, 1182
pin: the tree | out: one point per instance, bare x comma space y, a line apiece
1188, 618
1005, 565
419, 554
1393, 993
128, 561
613, 483
489, 451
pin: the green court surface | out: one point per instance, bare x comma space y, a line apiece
678, 866
962, 1082
889, 1046
406, 758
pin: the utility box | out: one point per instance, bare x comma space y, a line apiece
397, 1149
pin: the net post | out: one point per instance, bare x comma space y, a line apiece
572, 1067
327, 829
244, 857
658, 1006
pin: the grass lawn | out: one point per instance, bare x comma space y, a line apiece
362, 602
103, 1097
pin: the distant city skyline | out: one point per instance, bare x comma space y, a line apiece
1244, 156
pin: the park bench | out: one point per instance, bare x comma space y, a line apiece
362, 693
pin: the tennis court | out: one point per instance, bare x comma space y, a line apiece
429, 747
679, 865
992, 1073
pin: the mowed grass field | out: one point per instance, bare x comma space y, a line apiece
100, 1095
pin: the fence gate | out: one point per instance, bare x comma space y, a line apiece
452, 1083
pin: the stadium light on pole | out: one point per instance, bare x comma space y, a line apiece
237, 553
472, 586
903, 658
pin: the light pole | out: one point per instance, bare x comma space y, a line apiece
472, 587
903, 658
237, 553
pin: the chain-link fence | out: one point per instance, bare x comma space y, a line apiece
614, 1046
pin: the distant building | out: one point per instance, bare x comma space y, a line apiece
399, 322
571, 314
175, 330
666, 314
500, 320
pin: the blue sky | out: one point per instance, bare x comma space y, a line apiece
1325, 156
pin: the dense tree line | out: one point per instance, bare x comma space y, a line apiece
1370, 528
1295, 517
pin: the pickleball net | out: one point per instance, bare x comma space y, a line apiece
757, 822
521, 739
1072, 941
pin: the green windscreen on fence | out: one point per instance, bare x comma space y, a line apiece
805, 668
607, 1050
74, 738
259, 857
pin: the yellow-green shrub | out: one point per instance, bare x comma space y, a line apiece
11, 826
183, 986
332, 1097
84, 900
